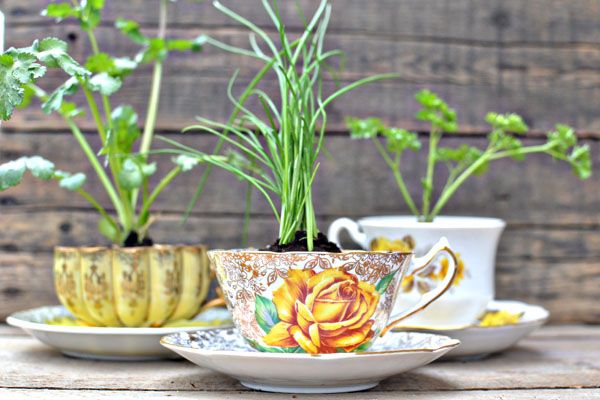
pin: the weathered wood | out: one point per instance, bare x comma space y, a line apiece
554, 394
545, 83
539, 191
534, 364
514, 22
556, 268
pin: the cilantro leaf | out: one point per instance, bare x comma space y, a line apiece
70, 181
60, 11
17, 68
53, 52
130, 177
186, 162
131, 29
436, 111
399, 140
581, 163
364, 128
55, 100
104, 83
11, 173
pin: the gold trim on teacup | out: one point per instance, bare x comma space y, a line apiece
454, 343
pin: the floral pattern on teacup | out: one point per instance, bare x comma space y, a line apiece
318, 303
426, 279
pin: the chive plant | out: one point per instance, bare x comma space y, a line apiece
277, 150
463, 161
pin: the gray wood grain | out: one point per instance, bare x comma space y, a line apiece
480, 55
374, 394
539, 362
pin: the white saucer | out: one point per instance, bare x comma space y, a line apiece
99, 343
481, 341
225, 351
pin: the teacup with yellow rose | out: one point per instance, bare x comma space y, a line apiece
302, 293
319, 302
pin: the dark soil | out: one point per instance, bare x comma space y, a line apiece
133, 240
321, 243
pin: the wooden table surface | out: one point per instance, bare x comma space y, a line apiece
557, 362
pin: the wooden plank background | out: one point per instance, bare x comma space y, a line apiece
540, 58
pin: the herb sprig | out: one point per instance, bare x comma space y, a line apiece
128, 170
463, 161
279, 155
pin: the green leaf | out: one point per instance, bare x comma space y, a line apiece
266, 313
385, 282
364, 128
104, 83
436, 111
563, 138
71, 181
399, 140
130, 177
155, 50
115, 67
108, 230
11, 173
125, 131
186, 162
581, 162
91, 13
131, 29
148, 169
60, 11
53, 52
185, 44
17, 68
40, 167
55, 100
70, 109
507, 123
269, 349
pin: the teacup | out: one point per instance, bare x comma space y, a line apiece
474, 240
317, 302
134, 287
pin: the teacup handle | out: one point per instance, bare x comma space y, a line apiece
431, 296
353, 229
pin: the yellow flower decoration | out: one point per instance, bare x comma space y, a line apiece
460, 270
323, 312
406, 244
499, 318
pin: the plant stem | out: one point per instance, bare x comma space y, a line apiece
157, 190
434, 139
218, 147
98, 207
94, 110
104, 179
394, 165
151, 113
247, 206
522, 151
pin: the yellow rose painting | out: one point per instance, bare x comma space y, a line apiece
322, 312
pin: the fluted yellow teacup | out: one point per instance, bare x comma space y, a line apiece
133, 287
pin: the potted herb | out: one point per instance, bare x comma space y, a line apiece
476, 239
134, 283
300, 294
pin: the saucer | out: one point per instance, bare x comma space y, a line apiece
225, 351
56, 327
480, 341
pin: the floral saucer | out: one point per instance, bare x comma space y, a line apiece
501, 327
57, 328
225, 351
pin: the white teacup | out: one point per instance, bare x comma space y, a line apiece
475, 240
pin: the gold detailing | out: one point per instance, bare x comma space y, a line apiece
134, 287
